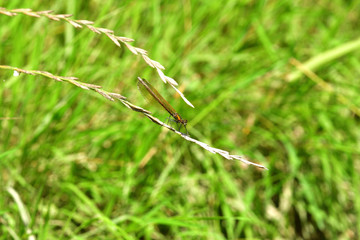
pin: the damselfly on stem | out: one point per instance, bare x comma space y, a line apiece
146, 88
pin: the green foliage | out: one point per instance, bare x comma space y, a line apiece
88, 168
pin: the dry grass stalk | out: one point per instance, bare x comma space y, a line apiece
111, 96
109, 33
326, 86
72, 80
24, 213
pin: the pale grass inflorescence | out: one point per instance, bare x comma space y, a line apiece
109, 95
109, 33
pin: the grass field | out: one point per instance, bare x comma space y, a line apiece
275, 81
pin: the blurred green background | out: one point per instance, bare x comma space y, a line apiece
88, 168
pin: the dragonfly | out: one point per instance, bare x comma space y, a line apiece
147, 89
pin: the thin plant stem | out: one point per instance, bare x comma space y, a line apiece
319, 60
112, 96
109, 33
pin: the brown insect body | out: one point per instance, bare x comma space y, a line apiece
143, 84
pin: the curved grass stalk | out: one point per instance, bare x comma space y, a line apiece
112, 96
109, 33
